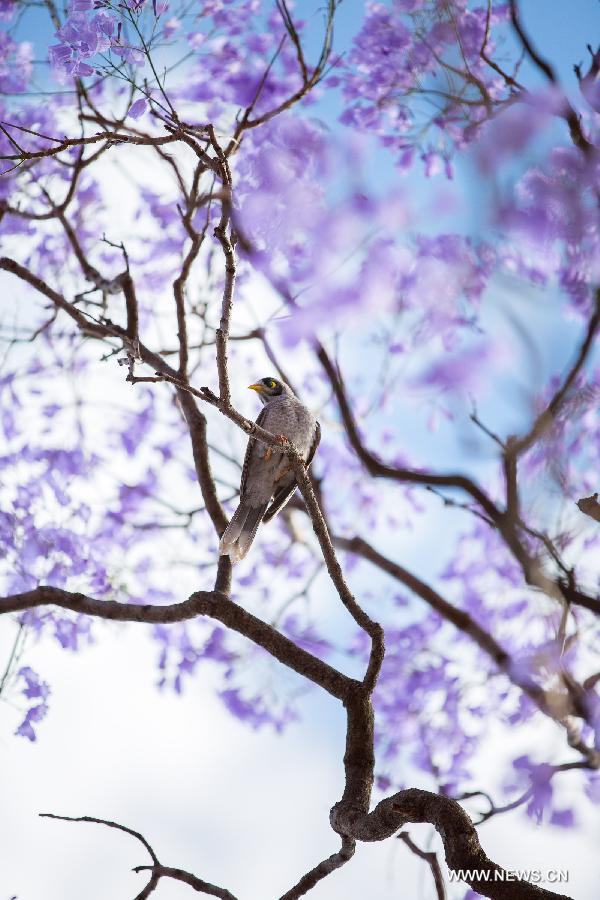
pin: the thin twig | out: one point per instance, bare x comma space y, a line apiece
432, 861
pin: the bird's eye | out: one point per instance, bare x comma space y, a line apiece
271, 383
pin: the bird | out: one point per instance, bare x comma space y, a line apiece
268, 480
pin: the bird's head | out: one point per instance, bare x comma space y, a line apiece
269, 388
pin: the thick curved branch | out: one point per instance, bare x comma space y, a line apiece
459, 837
350, 817
213, 604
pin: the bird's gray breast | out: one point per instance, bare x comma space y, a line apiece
289, 417
269, 468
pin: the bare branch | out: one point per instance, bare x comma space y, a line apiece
157, 870
111, 138
214, 604
372, 628
322, 870
109, 824
544, 66
196, 423
379, 469
551, 411
431, 860
222, 335
198, 884
87, 325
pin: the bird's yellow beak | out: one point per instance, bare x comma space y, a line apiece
258, 387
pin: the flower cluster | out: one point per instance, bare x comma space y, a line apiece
81, 38
538, 778
404, 63
36, 691
15, 64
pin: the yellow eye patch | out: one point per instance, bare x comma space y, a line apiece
271, 383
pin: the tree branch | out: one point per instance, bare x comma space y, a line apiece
157, 870
461, 843
544, 66
548, 415
109, 137
322, 870
198, 884
502, 520
213, 604
558, 705
589, 506
379, 469
431, 860
196, 423
372, 628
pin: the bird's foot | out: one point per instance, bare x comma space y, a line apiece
282, 440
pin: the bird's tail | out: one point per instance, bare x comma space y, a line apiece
241, 531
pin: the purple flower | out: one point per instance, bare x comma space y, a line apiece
468, 371
7, 8
138, 108
60, 55
34, 689
592, 788
253, 710
508, 135
81, 38
34, 686
433, 162
15, 64
540, 784
131, 55
563, 818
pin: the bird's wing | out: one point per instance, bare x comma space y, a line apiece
259, 421
284, 493
314, 445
